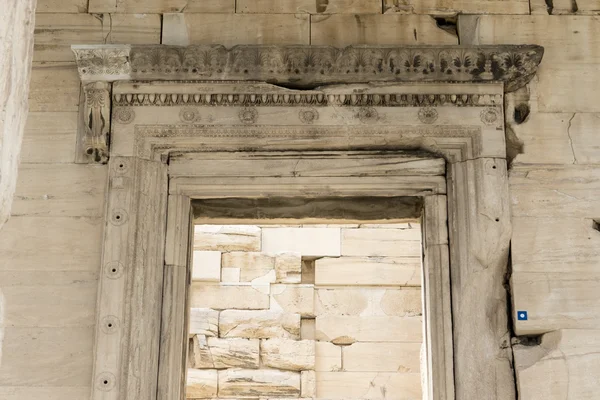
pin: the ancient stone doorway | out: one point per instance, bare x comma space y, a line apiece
447, 101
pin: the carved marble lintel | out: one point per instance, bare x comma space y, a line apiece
94, 123
310, 66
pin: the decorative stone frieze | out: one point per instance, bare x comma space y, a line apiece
308, 66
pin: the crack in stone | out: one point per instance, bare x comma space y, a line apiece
571, 139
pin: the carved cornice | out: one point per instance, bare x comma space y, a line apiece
309, 66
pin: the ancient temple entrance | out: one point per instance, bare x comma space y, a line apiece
311, 308
176, 142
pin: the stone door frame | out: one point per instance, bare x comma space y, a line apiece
148, 210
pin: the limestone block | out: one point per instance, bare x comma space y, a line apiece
585, 137
56, 32
551, 148
307, 329
396, 271
52, 237
309, 6
381, 242
565, 365
230, 275
61, 190
61, 6
219, 353
224, 296
535, 247
162, 6
567, 75
551, 191
328, 357
288, 267
309, 242
439, 7
233, 29
65, 356
252, 265
368, 302
374, 386
206, 266
227, 238
308, 384
347, 330
297, 299
344, 30
264, 383
54, 87
288, 354
204, 321
49, 137
259, 324
143, 28
382, 357
201, 384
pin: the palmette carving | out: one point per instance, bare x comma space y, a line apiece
310, 65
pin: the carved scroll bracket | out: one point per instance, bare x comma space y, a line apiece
94, 123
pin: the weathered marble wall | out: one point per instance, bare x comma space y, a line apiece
328, 312
48, 299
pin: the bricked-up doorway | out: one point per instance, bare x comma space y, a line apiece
307, 298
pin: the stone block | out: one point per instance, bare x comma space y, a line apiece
585, 137
49, 137
309, 6
288, 267
309, 242
345, 30
296, 299
328, 357
206, 266
353, 271
201, 383
373, 386
227, 238
288, 354
54, 87
553, 147
550, 191
224, 296
308, 384
204, 321
230, 275
382, 357
263, 383
565, 365
440, 7
368, 302
348, 330
216, 353
233, 29
162, 6
381, 242
252, 265
307, 329
61, 6
142, 28
259, 324
565, 7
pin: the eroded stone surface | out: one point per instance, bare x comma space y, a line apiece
227, 237
264, 383
259, 324
219, 353
293, 355
298, 299
201, 383
204, 321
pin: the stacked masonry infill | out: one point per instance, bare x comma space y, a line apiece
306, 312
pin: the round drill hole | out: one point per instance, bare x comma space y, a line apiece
494, 167
497, 219
105, 382
114, 270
